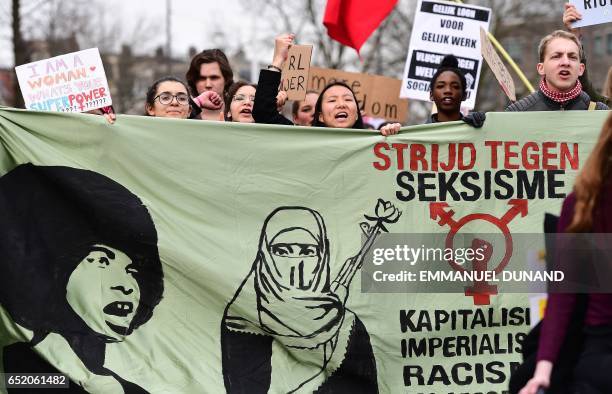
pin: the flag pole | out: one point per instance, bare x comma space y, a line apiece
506, 56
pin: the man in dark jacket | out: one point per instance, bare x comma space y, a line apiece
560, 67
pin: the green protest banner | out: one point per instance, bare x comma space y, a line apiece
160, 255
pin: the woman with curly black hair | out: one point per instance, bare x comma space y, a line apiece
80, 267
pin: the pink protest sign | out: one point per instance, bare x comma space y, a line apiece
74, 82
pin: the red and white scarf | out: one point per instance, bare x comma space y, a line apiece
560, 97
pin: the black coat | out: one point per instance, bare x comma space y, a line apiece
264, 109
562, 373
247, 364
19, 358
537, 101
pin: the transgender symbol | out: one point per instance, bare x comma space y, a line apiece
481, 290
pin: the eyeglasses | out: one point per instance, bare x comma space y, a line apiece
242, 97
166, 98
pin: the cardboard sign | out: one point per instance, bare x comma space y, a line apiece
497, 66
295, 71
378, 96
442, 28
594, 12
74, 82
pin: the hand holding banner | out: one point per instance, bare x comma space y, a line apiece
253, 216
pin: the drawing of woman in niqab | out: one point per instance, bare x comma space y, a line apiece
287, 327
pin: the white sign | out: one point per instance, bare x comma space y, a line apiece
74, 82
442, 28
593, 12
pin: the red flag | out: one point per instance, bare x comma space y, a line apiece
351, 22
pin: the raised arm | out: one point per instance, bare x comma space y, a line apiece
265, 107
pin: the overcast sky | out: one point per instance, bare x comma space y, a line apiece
193, 23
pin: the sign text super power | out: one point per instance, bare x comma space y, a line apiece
74, 82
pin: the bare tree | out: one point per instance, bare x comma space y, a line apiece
385, 51
59, 27
20, 51
512, 24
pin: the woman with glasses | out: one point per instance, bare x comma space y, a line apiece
239, 102
168, 97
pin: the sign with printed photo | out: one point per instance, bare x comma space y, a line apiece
442, 28
74, 82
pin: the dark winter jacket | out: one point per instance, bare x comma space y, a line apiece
264, 108
537, 101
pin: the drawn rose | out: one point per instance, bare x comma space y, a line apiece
385, 213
